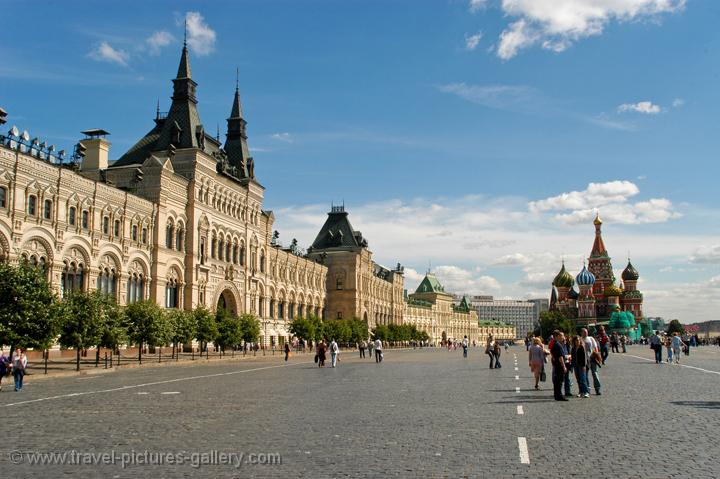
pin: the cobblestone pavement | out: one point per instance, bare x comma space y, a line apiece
424, 413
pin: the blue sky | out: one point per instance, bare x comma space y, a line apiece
462, 133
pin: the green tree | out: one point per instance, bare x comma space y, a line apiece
358, 330
114, 326
250, 326
552, 320
230, 329
302, 328
29, 311
82, 322
381, 332
182, 326
675, 327
337, 329
146, 325
207, 327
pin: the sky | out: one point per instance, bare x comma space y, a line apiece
477, 138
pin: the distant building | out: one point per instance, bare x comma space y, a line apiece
521, 314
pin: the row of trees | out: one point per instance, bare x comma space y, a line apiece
31, 315
399, 332
312, 328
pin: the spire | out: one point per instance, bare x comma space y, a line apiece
598, 248
184, 70
236, 145
157, 110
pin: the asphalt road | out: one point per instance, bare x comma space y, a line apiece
423, 413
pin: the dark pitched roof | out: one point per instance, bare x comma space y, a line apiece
337, 232
430, 284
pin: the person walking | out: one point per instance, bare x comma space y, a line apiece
496, 353
19, 364
371, 345
378, 351
557, 359
567, 379
656, 345
536, 359
614, 341
603, 339
579, 365
286, 348
362, 347
490, 350
334, 351
623, 343
321, 349
5, 368
677, 345
668, 346
592, 352
465, 345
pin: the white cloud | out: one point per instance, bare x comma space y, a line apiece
459, 280
158, 40
512, 259
706, 255
284, 137
557, 24
200, 36
476, 5
645, 107
678, 102
106, 53
612, 200
472, 41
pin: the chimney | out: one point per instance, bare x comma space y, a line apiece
96, 150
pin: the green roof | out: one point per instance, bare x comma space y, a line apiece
430, 284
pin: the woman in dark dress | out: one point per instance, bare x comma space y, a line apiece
321, 348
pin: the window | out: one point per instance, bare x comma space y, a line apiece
272, 308
85, 219
144, 235
47, 209
339, 283
227, 252
179, 236
221, 247
235, 254
134, 232
71, 215
72, 277
202, 252
116, 230
339, 315
136, 288
3, 197
213, 248
106, 225
32, 205
242, 255
169, 236
171, 294
281, 310
291, 311
262, 262
106, 281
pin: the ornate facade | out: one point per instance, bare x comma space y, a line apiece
598, 296
177, 219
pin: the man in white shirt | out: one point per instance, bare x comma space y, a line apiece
378, 350
465, 344
334, 350
590, 346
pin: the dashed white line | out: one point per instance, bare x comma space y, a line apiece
142, 393
524, 454
517, 390
517, 377
520, 410
170, 392
516, 369
681, 365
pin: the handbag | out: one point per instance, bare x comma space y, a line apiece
316, 358
543, 376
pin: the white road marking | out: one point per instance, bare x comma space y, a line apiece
524, 454
136, 386
520, 410
170, 392
88, 377
517, 390
681, 365
143, 392
517, 377
516, 369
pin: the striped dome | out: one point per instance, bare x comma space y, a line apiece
585, 278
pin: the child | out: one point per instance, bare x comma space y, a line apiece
668, 346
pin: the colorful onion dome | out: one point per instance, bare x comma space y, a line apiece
572, 294
585, 277
630, 273
563, 279
612, 290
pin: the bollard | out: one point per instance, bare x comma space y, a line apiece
111, 359
47, 353
106, 360
159, 355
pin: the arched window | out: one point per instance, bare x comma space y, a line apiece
107, 281
262, 261
272, 308
72, 277
291, 311
32, 205
71, 215
235, 254
242, 255
169, 236
281, 310
202, 250
221, 248
134, 233
85, 219
253, 259
47, 209
179, 238
3, 197
136, 283
144, 235
213, 248
227, 251
106, 225
116, 231
171, 294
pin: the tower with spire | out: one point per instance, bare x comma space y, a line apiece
236, 146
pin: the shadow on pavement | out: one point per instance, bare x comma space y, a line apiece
698, 404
